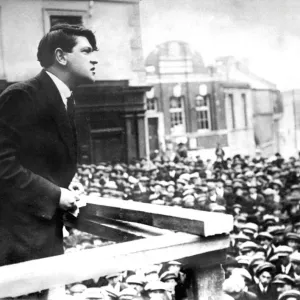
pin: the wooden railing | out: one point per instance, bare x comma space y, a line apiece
147, 234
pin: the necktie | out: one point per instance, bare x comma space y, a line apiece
71, 108
71, 116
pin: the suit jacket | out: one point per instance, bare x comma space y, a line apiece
37, 157
269, 295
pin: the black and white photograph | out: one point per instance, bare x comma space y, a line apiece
150, 149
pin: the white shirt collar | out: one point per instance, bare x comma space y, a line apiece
63, 89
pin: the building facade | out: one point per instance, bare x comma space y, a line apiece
189, 104
113, 110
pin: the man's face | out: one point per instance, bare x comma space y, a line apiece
265, 278
293, 244
81, 62
265, 243
170, 284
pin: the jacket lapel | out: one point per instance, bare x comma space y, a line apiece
59, 113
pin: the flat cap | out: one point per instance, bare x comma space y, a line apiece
283, 250
242, 272
264, 235
156, 286
283, 278
174, 263
266, 266
293, 236
127, 293
250, 227
295, 257
167, 275
135, 279
249, 245
243, 260
293, 294
93, 293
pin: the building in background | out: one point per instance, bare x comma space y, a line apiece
111, 113
289, 124
266, 102
190, 104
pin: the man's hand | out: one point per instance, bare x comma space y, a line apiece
68, 200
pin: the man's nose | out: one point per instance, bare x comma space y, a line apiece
94, 59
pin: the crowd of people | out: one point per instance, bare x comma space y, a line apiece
262, 194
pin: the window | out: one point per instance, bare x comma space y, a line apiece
244, 100
177, 115
152, 104
70, 16
231, 104
202, 112
73, 20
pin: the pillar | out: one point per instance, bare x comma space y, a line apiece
141, 133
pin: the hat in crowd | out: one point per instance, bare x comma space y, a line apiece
77, 288
156, 286
242, 272
283, 250
250, 227
295, 257
243, 260
233, 285
167, 275
248, 246
283, 278
266, 266
127, 293
264, 235
276, 230
241, 237
174, 263
135, 279
93, 293
112, 275
270, 219
291, 294
296, 225
293, 236
256, 261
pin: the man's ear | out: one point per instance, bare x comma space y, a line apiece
60, 56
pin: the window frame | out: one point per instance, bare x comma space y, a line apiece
174, 110
48, 12
206, 108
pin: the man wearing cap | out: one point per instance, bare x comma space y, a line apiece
293, 240
136, 282
265, 240
295, 261
290, 295
283, 283
156, 290
170, 280
284, 265
263, 289
114, 283
235, 287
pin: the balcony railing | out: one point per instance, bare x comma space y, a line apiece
146, 234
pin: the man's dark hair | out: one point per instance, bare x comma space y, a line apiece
62, 36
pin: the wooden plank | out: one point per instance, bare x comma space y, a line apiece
36, 275
113, 230
174, 218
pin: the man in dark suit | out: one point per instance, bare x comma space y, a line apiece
38, 153
263, 289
